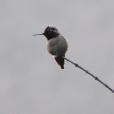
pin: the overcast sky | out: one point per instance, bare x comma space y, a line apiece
30, 80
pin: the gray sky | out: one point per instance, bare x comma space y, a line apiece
30, 80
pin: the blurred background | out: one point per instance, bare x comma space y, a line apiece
30, 80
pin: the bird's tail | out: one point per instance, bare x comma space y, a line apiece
60, 61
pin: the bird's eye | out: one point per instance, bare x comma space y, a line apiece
53, 29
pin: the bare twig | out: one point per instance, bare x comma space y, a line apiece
93, 76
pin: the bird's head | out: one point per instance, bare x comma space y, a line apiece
49, 32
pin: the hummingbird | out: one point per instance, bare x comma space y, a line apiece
57, 44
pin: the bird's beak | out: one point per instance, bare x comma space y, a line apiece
37, 34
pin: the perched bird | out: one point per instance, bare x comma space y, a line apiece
57, 45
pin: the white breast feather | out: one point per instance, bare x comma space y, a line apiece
57, 46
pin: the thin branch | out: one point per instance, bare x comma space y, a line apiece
92, 75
